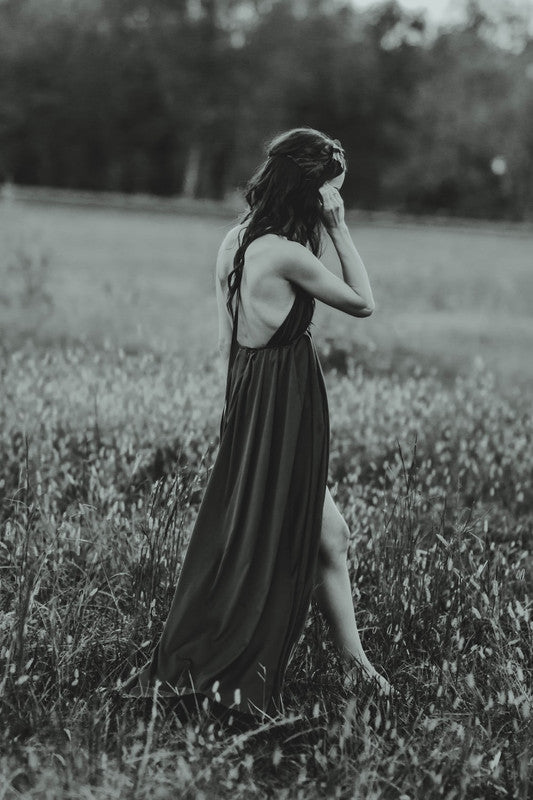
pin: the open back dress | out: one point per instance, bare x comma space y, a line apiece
247, 577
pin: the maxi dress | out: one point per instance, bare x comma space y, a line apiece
246, 581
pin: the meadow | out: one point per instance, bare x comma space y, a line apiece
111, 394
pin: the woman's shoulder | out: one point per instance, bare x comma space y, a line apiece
267, 242
226, 252
231, 239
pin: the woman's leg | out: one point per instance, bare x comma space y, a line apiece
333, 591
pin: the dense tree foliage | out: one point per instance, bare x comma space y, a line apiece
178, 97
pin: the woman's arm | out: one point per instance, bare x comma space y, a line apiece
352, 295
353, 269
224, 320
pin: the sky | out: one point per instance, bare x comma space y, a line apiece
437, 11
446, 12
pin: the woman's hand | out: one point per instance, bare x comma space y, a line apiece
332, 206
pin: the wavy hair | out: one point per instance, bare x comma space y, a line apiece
283, 196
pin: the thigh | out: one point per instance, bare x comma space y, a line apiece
334, 535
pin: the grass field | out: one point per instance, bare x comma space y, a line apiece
443, 294
110, 404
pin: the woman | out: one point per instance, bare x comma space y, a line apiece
268, 535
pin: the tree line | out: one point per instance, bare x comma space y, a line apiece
178, 97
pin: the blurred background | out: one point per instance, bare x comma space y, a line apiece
128, 130
433, 101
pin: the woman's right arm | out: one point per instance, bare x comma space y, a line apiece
352, 295
353, 269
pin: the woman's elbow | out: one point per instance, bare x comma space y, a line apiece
364, 311
367, 311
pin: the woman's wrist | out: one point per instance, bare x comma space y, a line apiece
339, 231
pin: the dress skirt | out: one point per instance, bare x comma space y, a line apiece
246, 581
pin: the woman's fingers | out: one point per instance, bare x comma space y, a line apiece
330, 191
331, 198
332, 206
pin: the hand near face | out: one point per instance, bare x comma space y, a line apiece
332, 206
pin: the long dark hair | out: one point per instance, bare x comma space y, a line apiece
283, 196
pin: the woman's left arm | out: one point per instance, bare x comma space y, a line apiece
224, 321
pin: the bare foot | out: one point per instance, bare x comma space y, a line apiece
363, 667
383, 684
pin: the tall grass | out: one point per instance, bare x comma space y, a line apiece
104, 460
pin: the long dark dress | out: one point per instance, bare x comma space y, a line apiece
246, 581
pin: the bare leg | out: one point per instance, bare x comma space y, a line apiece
333, 592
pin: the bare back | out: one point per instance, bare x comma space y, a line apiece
266, 298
